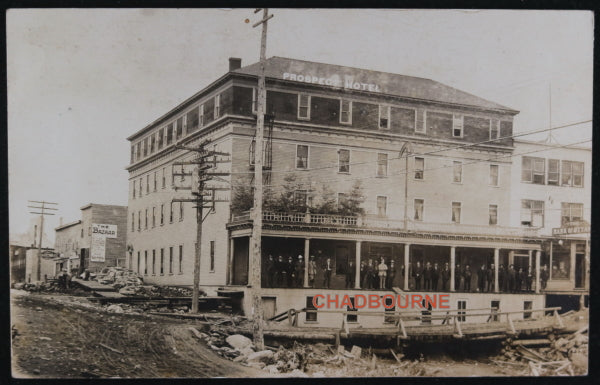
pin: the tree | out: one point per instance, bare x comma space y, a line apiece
325, 203
351, 205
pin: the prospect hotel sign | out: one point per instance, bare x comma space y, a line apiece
347, 82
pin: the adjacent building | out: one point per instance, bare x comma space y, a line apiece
360, 166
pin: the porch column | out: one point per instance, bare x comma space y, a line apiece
357, 265
496, 262
306, 260
538, 256
406, 264
452, 267
230, 267
529, 253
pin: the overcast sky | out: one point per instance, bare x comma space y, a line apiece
81, 81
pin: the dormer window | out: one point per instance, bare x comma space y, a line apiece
304, 107
384, 117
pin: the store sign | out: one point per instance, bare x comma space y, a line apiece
108, 231
576, 227
347, 82
98, 249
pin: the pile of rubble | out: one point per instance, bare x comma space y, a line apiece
51, 286
551, 356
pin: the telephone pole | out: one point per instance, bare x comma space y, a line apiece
42, 211
257, 210
200, 191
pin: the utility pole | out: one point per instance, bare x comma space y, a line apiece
42, 211
405, 151
257, 210
199, 191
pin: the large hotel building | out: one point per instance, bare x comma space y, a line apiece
362, 166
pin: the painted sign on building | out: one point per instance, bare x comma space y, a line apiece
335, 80
99, 234
107, 231
576, 227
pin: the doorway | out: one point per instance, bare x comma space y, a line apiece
240, 261
579, 269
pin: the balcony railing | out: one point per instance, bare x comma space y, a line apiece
375, 222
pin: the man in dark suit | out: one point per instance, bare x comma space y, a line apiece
512, 279
391, 275
350, 274
270, 271
446, 277
427, 276
481, 277
544, 275
418, 275
300, 271
291, 270
458, 276
327, 270
435, 277
490, 278
502, 281
467, 277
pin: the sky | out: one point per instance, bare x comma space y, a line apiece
82, 80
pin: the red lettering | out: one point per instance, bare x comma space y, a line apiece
374, 301
346, 302
444, 298
315, 302
414, 300
390, 306
400, 302
364, 301
430, 302
335, 301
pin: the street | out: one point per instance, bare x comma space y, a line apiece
56, 338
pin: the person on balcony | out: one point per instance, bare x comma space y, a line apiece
519, 280
291, 270
391, 275
529, 279
363, 273
490, 278
481, 277
435, 277
350, 274
270, 269
279, 268
327, 270
446, 274
467, 277
502, 281
312, 271
382, 269
544, 275
458, 277
418, 275
283, 273
368, 282
300, 271
427, 276
512, 278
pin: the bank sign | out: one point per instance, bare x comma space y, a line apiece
579, 227
347, 82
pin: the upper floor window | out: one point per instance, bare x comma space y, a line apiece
342, 199
382, 164
493, 214
179, 128
201, 116
457, 173
384, 117
303, 106
494, 174
138, 153
155, 183
457, 126
161, 136
381, 206
133, 189
419, 205
505, 128
572, 173
456, 208
132, 154
419, 168
141, 188
148, 184
152, 144
301, 197
533, 170
301, 157
532, 213
132, 221
164, 178
570, 212
192, 119
345, 111
217, 105
553, 172
146, 147
344, 161
494, 129
169, 134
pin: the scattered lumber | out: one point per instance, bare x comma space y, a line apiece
111, 349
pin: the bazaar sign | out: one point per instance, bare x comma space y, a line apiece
99, 234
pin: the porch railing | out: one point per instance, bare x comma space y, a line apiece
387, 223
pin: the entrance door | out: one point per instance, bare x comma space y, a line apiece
341, 259
579, 270
521, 262
240, 261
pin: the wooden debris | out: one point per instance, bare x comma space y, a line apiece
111, 349
395, 356
534, 342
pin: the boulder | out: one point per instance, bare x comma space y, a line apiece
238, 341
115, 309
272, 369
262, 356
257, 365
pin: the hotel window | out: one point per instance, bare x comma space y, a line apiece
381, 206
153, 262
212, 255
132, 154
457, 126
570, 212
384, 117
139, 220
311, 310
494, 129
169, 134
217, 105
457, 174
572, 173
171, 213
533, 170
462, 307
192, 120
301, 157
382, 164
147, 184
344, 161
303, 106
505, 128
180, 259
132, 221
153, 216
155, 181
162, 214
164, 179
152, 143
532, 213
145, 147
146, 221
301, 197
171, 260
133, 190
138, 263
161, 135
146, 262
419, 168
138, 154
456, 206
494, 175
180, 211
493, 215
419, 205
162, 261
178, 128
201, 116
553, 172
438, 121
345, 111
140, 194
254, 100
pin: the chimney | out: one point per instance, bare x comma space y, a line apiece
234, 63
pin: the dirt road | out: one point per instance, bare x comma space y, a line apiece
56, 339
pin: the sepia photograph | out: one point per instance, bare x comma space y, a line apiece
276, 193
